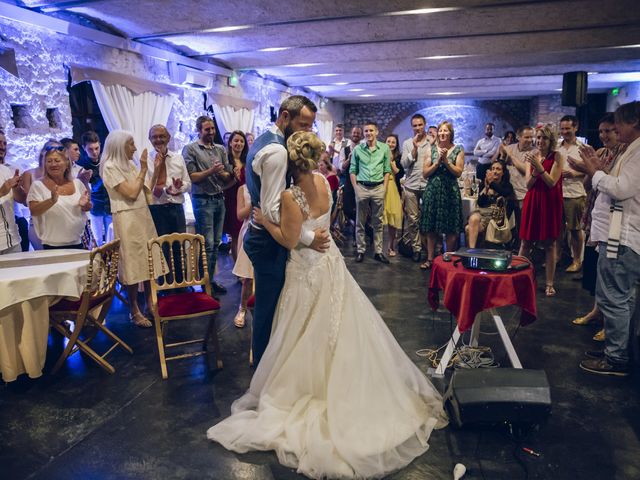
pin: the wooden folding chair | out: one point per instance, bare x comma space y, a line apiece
177, 261
88, 313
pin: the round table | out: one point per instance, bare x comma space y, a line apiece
29, 283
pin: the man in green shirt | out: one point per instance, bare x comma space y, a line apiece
369, 172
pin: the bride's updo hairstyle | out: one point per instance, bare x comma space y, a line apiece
304, 151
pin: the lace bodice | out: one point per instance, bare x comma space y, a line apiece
302, 253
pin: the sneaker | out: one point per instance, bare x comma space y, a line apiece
380, 258
601, 366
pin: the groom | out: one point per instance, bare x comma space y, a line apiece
266, 179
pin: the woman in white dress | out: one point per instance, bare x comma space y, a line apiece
334, 395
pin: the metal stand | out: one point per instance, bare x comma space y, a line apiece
475, 333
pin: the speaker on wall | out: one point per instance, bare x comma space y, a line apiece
574, 89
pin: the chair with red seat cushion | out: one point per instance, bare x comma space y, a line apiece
179, 261
88, 313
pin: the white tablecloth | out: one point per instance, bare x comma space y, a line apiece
29, 283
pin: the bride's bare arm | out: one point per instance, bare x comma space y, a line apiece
287, 233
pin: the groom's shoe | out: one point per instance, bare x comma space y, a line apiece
359, 257
380, 258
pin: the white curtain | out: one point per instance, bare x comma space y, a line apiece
325, 130
122, 109
230, 118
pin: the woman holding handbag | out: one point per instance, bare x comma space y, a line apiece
495, 202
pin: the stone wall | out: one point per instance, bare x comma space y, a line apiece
548, 109
42, 57
468, 116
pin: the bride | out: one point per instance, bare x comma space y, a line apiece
334, 394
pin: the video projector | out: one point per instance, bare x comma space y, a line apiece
483, 258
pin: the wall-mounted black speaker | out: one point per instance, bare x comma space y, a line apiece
574, 89
491, 396
273, 113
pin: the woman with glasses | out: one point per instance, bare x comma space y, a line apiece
58, 202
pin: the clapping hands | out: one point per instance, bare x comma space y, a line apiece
85, 201
175, 187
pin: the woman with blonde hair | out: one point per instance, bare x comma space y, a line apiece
328, 341
132, 222
542, 206
58, 203
441, 201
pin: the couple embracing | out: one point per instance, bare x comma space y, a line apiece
333, 394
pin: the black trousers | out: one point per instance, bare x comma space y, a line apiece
169, 218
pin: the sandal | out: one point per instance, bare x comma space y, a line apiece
391, 252
426, 265
139, 320
238, 321
586, 320
549, 291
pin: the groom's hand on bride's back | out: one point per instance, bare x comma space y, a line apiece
320, 240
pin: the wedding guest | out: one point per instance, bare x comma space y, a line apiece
210, 173
100, 214
607, 155
615, 225
250, 138
497, 184
132, 222
542, 208
442, 212
242, 267
237, 150
485, 149
326, 168
72, 150
168, 182
58, 203
10, 192
392, 202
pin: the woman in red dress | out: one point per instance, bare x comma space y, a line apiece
237, 150
542, 208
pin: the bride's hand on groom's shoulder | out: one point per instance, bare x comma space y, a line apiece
257, 216
320, 240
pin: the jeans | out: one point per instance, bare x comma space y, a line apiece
99, 227
269, 261
615, 296
209, 215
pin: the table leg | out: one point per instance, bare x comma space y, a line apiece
448, 353
511, 352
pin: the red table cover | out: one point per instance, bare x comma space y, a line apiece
468, 292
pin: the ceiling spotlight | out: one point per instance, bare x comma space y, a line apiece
274, 49
447, 93
442, 57
227, 29
341, 83
325, 75
356, 90
421, 11
367, 95
302, 65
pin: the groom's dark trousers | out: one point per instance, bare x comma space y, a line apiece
269, 261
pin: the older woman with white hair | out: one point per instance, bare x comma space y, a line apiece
132, 221
58, 202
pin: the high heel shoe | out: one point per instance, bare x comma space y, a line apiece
238, 321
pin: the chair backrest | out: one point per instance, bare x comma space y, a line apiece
88, 240
102, 271
178, 260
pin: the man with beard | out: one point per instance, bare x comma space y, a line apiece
267, 178
209, 171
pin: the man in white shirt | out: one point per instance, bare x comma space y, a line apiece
10, 192
266, 171
414, 151
167, 182
336, 147
573, 192
615, 225
485, 149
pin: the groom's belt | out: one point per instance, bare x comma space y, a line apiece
370, 184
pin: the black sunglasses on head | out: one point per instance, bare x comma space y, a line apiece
51, 148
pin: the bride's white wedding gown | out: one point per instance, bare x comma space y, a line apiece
334, 394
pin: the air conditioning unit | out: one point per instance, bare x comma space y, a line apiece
189, 77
